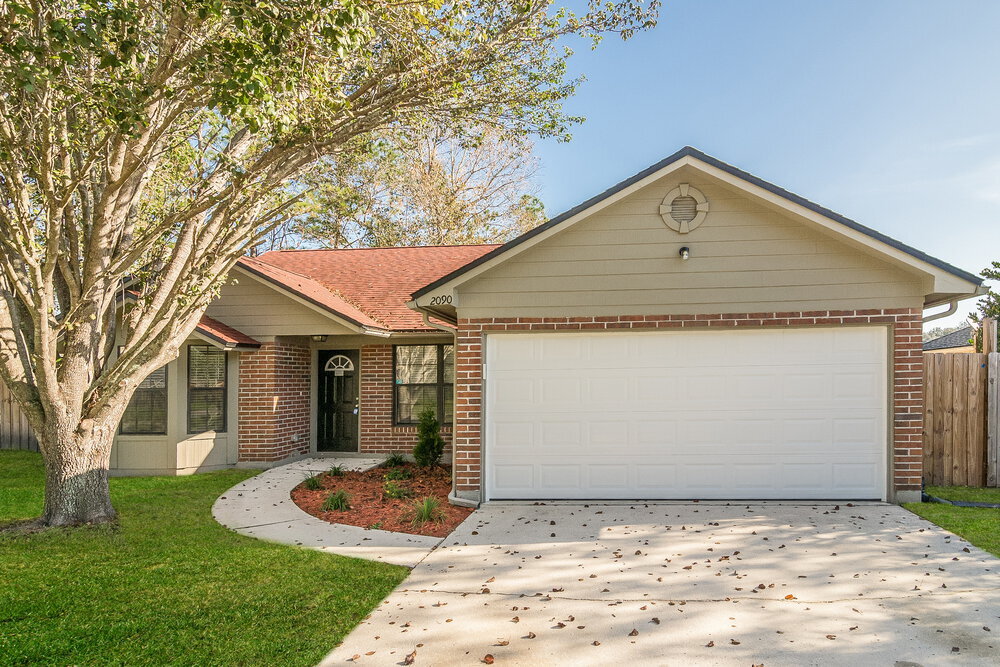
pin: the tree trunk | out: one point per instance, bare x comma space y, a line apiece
76, 475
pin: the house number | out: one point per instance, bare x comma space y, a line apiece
440, 300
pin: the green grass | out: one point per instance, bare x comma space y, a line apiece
979, 525
169, 585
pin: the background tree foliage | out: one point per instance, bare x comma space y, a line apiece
440, 187
144, 141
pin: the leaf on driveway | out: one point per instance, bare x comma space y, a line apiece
410, 657
710, 644
634, 633
489, 659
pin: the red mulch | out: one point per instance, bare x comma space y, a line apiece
370, 506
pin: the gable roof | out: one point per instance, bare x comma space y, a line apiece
689, 152
959, 338
368, 287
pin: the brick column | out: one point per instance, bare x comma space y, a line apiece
908, 404
274, 402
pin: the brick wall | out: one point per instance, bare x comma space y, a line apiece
907, 382
379, 435
274, 402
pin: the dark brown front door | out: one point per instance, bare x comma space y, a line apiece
337, 429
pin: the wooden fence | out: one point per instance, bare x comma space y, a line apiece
962, 415
14, 430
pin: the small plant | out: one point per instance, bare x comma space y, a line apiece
430, 445
394, 460
312, 483
336, 501
374, 526
336, 471
398, 473
393, 490
427, 509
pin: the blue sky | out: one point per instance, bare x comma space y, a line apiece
885, 111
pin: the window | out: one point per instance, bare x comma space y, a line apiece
206, 389
424, 376
146, 413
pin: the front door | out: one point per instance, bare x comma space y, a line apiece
337, 428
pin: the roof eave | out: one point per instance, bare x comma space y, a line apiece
689, 155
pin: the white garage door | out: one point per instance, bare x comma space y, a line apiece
790, 413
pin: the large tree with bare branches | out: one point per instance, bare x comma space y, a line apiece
433, 187
146, 143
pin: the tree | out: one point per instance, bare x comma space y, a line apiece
438, 188
145, 144
430, 445
989, 305
937, 332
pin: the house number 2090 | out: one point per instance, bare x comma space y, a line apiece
440, 300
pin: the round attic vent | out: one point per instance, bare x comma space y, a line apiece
684, 208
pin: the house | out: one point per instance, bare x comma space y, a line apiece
956, 341
692, 332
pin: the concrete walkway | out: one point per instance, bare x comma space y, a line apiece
690, 584
262, 507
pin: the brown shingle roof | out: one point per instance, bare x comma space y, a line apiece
224, 333
369, 286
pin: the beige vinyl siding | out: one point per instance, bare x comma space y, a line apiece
744, 258
260, 311
177, 452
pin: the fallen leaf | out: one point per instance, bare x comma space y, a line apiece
488, 659
734, 642
789, 597
515, 620
502, 642
408, 660
596, 643
710, 644
634, 633
530, 635
831, 636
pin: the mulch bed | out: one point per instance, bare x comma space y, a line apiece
370, 508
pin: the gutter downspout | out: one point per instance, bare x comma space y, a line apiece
952, 308
452, 497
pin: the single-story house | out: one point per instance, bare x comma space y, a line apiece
955, 342
691, 332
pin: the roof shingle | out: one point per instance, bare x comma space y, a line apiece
369, 286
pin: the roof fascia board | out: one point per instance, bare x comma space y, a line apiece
943, 281
948, 277
340, 319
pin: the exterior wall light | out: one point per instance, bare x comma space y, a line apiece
319, 338
684, 253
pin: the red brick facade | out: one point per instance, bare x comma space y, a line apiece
274, 402
379, 435
907, 375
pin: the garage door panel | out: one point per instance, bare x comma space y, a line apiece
789, 414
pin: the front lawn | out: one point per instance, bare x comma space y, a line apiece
979, 525
169, 585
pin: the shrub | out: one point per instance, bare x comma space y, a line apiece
427, 509
312, 483
393, 490
336, 501
394, 460
335, 471
374, 526
398, 473
430, 445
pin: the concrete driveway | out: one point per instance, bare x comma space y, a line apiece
697, 583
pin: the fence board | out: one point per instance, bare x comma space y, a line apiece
15, 433
955, 416
993, 422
